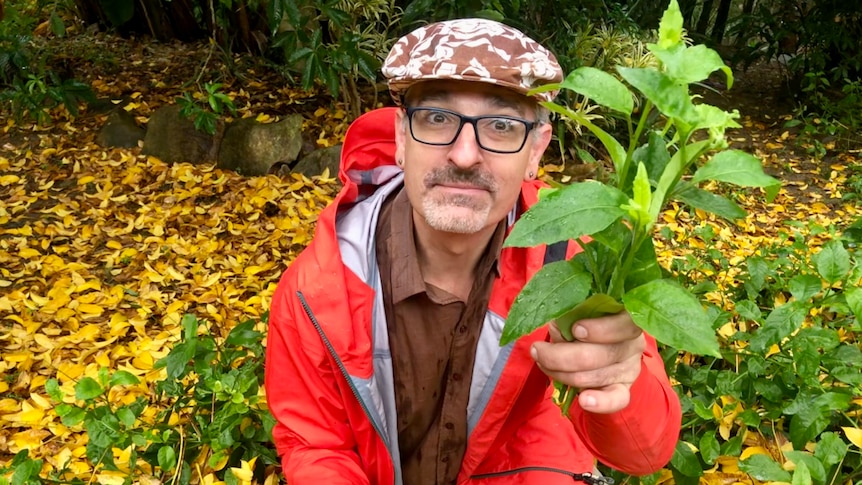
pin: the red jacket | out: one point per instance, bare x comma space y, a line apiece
329, 374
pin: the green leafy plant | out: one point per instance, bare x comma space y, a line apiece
790, 392
618, 262
205, 108
335, 42
209, 410
22, 470
828, 118
30, 89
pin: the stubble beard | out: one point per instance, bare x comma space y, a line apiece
455, 213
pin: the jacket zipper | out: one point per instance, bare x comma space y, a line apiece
588, 478
340, 364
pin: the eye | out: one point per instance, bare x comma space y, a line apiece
501, 125
433, 117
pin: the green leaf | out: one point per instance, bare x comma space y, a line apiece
711, 117
671, 98
707, 201
597, 305
749, 310
549, 293
600, 87
70, 415
780, 323
178, 359
124, 378
812, 416
673, 316
802, 476
244, 335
103, 431
685, 461
57, 26
803, 287
670, 26
653, 154
764, 468
644, 267
739, 168
638, 206
691, 64
87, 388
126, 416
52, 387
709, 447
190, 327
831, 449
832, 262
26, 472
167, 458
812, 466
854, 301
732, 447
758, 270
275, 13
571, 212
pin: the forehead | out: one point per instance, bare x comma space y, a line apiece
447, 93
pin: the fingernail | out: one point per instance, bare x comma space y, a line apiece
534, 353
588, 401
579, 332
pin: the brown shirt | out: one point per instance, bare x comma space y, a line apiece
433, 337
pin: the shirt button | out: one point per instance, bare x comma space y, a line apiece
450, 426
456, 377
445, 459
462, 329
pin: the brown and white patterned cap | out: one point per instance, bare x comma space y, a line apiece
471, 50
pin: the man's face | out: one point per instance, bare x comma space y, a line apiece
462, 187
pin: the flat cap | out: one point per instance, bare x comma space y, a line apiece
471, 49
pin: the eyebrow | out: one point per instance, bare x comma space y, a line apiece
495, 101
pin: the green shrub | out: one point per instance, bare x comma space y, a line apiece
336, 42
791, 377
209, 415
29, 88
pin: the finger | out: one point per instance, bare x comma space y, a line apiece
607, 400
607, 329
618, 373
584, 356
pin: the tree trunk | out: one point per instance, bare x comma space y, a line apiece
721, 21
703, 21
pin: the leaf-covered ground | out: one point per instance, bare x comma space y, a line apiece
103, 250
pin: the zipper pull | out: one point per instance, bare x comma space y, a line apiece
591, 479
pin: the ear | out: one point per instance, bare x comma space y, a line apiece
400, 134
539, 143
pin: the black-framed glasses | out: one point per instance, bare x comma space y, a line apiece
495, 133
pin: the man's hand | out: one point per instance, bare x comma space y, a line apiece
603, 361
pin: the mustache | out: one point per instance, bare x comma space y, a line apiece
455, 175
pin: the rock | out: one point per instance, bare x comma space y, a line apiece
120, 131
315, 162
173, 138
251, 148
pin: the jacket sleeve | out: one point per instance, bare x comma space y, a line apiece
312, 434
641, 438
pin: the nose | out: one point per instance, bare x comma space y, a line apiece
465, 151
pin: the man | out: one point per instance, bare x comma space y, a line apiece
383, 357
